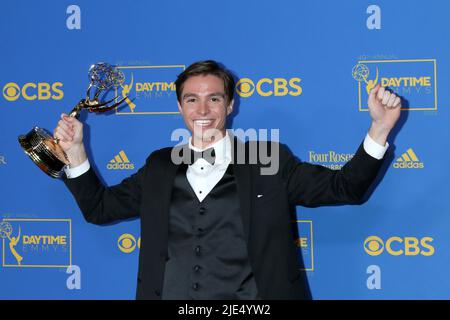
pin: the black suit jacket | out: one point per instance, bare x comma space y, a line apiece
267, 219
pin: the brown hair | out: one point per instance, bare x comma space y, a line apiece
207, 67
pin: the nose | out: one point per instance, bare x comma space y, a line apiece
203, 108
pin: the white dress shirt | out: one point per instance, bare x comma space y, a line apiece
203, 176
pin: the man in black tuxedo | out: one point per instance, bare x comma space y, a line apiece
215, 226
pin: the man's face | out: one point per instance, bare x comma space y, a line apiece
204, 108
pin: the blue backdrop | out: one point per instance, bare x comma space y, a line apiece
304, 67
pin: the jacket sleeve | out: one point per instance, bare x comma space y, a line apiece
101, 204
313, 185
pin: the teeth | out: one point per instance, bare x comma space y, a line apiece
202, 122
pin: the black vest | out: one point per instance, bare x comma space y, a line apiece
208, 256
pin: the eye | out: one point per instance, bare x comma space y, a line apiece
189, 99
216, 99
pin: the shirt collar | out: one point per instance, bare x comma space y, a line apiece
222, 148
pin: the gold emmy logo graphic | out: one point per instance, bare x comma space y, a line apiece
414, 80
408, 160
39, 243
6, 231
120, 162
360, 73
126, 91
152, 89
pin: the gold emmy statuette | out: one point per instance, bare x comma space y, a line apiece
43, 149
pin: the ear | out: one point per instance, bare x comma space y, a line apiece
179, 107
230, 107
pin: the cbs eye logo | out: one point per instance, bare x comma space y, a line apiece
374, 246
11, 91
127, 243
33, 91
267, 87
245, 87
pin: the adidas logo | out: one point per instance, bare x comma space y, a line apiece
120, 162
408, 160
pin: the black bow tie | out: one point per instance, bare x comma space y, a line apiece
208, 154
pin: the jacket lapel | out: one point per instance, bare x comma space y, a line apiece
163, 192
243, 176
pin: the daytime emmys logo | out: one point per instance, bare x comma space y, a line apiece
257, 152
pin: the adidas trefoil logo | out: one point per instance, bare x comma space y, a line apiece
120, 162
408, 160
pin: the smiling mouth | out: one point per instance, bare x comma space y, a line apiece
203, 122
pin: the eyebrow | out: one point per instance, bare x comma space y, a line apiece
189, 95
